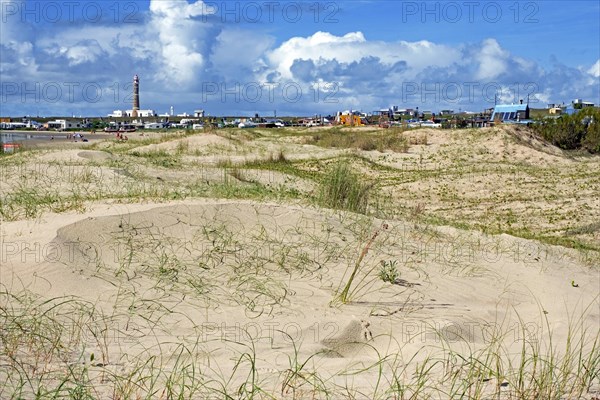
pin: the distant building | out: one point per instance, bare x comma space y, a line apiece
399, 112
570, 110
555, 110
136, 97
508, 113
63, 124
13, 125
129, 113
118, 114
153, 125
578, 103
198, 113
142, 113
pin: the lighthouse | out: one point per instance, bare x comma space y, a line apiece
136, 96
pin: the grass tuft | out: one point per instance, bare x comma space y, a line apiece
388, 271
343, 189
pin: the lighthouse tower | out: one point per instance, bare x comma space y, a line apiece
136, 96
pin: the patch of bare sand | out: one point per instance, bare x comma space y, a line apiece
505, 144
95, 155
72, 155
229, 278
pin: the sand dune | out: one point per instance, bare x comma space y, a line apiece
224, 275
142, 293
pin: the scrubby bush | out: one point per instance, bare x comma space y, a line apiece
592, 138
580, 130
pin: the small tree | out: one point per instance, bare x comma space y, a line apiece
573, 131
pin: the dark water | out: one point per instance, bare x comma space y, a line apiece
23, 139
19, 137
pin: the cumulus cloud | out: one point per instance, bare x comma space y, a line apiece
595, 69
84, 51
17, 45
18, 59
322, 48
238, 54
492, 60
183, 37
178, 44
375, 73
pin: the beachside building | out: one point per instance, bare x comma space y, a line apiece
555, 110
154, 125
578, 103
129, 113
63, 124
507, 113
142, 113
118, 114
13, 125
570, 110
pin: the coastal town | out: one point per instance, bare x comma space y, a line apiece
360, 200
136, 119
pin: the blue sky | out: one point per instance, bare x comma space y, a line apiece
294, 58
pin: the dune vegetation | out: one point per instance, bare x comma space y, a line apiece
303, 263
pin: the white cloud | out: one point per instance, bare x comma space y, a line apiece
239, 54
18, 58
176, 45
85, 51
182, 34
595, 69
492, 60
323, 47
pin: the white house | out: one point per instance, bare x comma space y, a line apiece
118, 114
62, 124
13, 125
583, 104
153, 125
128, 113
143, 113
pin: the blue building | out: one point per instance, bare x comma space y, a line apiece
510, 113
570, 110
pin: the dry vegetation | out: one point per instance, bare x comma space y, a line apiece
301, 263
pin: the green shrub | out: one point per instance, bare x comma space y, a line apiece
388, 271
592, 137
573, 131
